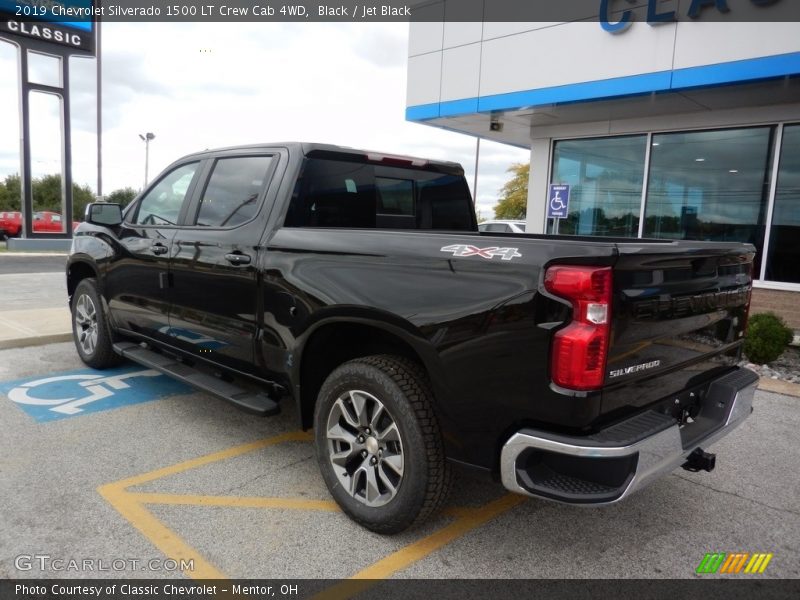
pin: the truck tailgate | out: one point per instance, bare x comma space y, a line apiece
678, 319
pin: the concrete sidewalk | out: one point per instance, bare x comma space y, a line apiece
34, 327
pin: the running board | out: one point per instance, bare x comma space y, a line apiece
252, 402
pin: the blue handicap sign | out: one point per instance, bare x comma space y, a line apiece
558, 201
75, 393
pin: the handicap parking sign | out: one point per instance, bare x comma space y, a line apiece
75, 393
558, 201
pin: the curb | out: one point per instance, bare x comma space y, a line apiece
779, 387
35, 340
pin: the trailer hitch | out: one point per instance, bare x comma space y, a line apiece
700, 460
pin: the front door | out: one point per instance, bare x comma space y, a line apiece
137, 283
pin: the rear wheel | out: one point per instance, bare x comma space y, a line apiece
378, 443
90, 328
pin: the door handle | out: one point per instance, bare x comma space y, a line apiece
159, 249
236, 258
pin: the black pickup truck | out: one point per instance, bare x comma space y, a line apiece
357, 286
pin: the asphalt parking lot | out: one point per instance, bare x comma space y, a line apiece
147, 469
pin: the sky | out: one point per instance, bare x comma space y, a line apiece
209, 85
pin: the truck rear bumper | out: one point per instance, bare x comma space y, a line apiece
606, 467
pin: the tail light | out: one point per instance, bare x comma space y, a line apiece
578, 357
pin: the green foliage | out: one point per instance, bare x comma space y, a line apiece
46, 195
122, 196
514, 201
10, 193
767, 338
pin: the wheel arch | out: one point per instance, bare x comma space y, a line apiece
77, 271
337, 340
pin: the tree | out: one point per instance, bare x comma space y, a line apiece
514, 201
122, 196
10, 193
46, 195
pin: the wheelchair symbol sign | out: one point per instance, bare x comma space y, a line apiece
76, 393
558, 201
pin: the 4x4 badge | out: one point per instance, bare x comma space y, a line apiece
461, 250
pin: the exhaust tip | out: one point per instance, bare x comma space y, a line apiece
700, 460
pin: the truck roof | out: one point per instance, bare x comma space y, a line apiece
318, 149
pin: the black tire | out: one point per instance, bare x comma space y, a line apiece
100, 354
401, 386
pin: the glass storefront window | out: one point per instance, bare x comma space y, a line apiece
783, 263
709, 185
605, 177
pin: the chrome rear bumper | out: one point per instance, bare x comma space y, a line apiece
611, 465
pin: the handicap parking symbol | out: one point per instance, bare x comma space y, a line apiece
75, 393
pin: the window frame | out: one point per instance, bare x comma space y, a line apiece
193, 210
133, 211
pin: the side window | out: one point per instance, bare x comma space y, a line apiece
231, 196
497, 228
56, 218
162, 204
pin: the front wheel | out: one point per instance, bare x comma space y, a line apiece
90, 328
378, 443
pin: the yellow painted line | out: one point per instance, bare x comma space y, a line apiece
405, 557
131, 505
166, 540
236, 501
161, 536
292, 436
412, 553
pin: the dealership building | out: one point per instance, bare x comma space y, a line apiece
674, 130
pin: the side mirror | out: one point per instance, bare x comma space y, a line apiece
103, 213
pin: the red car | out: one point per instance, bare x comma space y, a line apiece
43, 222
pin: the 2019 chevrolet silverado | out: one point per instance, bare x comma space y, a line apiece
356, 286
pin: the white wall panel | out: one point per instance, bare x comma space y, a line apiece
425, 37
460, 72
572, 53
459, 34
706, 43
424, 79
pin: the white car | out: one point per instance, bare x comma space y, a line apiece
502, 226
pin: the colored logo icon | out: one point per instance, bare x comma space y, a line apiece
736, 562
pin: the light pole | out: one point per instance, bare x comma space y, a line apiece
146, 139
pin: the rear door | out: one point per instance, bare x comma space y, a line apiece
678, 317
215, 312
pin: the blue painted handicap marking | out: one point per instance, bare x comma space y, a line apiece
75, 393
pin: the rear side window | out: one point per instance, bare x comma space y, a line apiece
231, 196
345, 194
